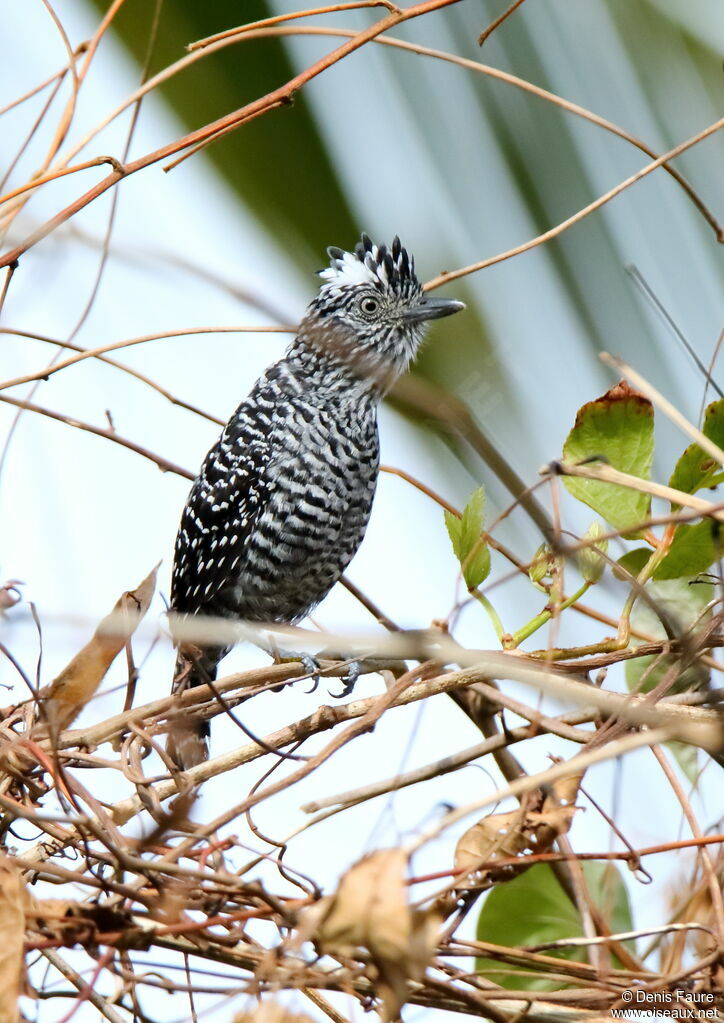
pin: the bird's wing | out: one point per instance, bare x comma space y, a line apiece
223, 505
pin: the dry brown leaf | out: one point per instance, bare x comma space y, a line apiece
14, 760
9, 595
370, 905
177, 817
565, 790
507, 835
12, 929
271, 1012
497, 836
370, 909
559, 807
74, 922
690, 898
77, 683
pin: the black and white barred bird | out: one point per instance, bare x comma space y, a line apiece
282, 501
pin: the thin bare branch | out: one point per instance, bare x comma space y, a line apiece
163, 463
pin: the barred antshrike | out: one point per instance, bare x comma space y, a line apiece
282, 501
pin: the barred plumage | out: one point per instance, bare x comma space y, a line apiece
282, 501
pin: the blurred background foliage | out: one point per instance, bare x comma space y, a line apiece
272, 152
463, 166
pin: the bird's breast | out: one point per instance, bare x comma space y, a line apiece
321, 476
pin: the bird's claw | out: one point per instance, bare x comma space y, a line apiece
348, 681
311, 667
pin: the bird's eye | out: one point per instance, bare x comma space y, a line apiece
369, 305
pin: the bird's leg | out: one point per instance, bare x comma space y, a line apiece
364, 665
310, 664
186, 657
312, 667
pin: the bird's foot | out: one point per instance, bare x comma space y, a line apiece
313, 669
349, 679
311, 666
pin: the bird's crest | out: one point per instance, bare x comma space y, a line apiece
371, 264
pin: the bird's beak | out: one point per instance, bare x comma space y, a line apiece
432, 309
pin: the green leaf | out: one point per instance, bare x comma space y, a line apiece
694, 678
465, 536
692, 551
279, 166
687, 757
696, 468
682, 604
477, 569
453, 525
541, 565
472, 521
588, 559
633, 562
618, 427
533, 909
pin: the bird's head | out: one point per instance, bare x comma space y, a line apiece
371, 311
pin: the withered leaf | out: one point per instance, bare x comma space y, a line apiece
78, 681
74, 922
371, 909
497, 836
12, 928
271, 1012
501, 836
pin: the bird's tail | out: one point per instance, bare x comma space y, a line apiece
188, 738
